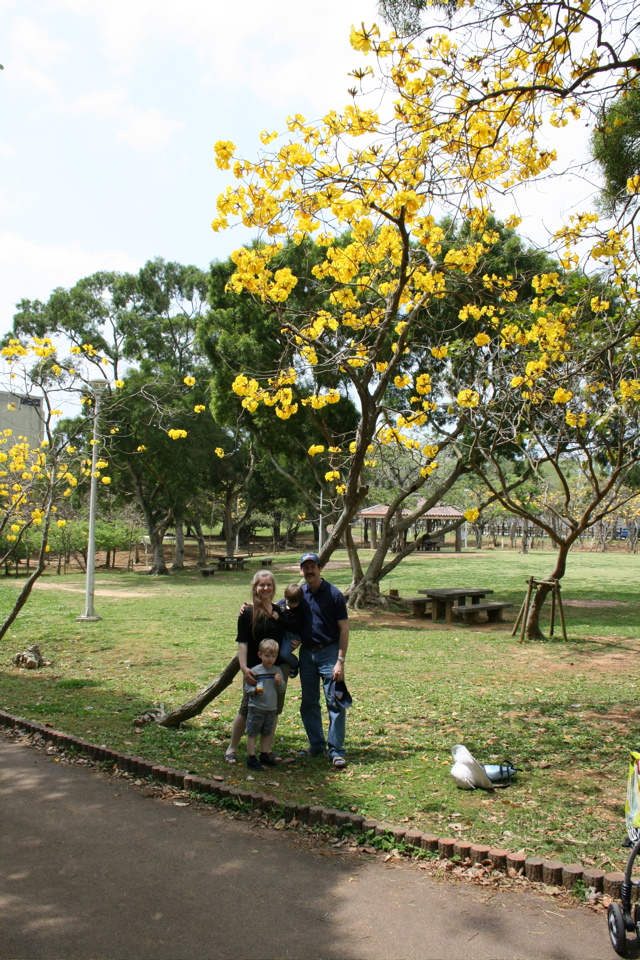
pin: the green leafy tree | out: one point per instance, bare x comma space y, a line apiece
145, 327
615, 145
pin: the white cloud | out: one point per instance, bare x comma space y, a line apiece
30, 40
31, 271
147, 129
141, 129
33, 48
276, 51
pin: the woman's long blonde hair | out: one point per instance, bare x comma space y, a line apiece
258, 610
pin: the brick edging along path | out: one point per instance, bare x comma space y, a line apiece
551, 872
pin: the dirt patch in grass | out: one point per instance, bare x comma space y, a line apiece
594, 603
617, 717
100, 591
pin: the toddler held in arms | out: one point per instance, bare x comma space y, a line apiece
291, 639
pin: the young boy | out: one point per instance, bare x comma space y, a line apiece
291, 602
263, 705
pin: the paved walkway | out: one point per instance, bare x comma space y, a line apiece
91, 869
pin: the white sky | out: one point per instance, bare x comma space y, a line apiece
110, 109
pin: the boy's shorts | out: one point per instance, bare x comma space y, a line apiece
261, 722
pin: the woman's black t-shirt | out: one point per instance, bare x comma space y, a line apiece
270, 627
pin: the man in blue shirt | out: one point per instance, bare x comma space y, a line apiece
322, 657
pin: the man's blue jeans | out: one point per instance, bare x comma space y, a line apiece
317, 665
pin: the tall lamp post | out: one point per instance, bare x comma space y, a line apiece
97, 389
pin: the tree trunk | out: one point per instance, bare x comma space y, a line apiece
155, 531
156, 538
23, 596
229, 531
513, 533
178, 556
202, 546
365, 593
197, 704
532, 630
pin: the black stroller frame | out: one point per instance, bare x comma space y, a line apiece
620, 918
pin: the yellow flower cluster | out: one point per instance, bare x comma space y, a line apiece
630, 390
575, 419
468, 398
562, 396
177, 434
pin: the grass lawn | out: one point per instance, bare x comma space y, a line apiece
566, 713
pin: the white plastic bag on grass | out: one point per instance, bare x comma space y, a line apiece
466, 771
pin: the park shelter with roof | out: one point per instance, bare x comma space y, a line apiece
434, 518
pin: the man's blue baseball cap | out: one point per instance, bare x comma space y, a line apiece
338, 691
310, 556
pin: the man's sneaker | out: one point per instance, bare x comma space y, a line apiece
254, 764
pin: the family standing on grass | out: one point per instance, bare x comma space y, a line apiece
312, 618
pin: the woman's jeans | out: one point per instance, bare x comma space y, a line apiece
317, 665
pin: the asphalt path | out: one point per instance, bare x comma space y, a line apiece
89, 868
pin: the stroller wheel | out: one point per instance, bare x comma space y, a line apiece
617, 932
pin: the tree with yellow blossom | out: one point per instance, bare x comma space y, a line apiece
449, 126
39, 472
558, 389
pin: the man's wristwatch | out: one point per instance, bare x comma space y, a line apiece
340, 659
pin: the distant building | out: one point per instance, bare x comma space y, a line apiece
24, 416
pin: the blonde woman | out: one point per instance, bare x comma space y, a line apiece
259, 620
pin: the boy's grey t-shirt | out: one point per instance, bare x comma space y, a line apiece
269, 699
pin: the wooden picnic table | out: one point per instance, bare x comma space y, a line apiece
444, 599
232, 563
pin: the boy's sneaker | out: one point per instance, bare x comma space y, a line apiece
253, 763
268, 760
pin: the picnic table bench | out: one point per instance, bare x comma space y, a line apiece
470, 611
418, 605
208, 571
443, 600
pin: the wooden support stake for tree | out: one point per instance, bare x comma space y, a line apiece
561, 612
519, 617
523, 616
525, 607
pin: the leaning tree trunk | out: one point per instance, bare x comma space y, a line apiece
197, 704
532, 630
24, 594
